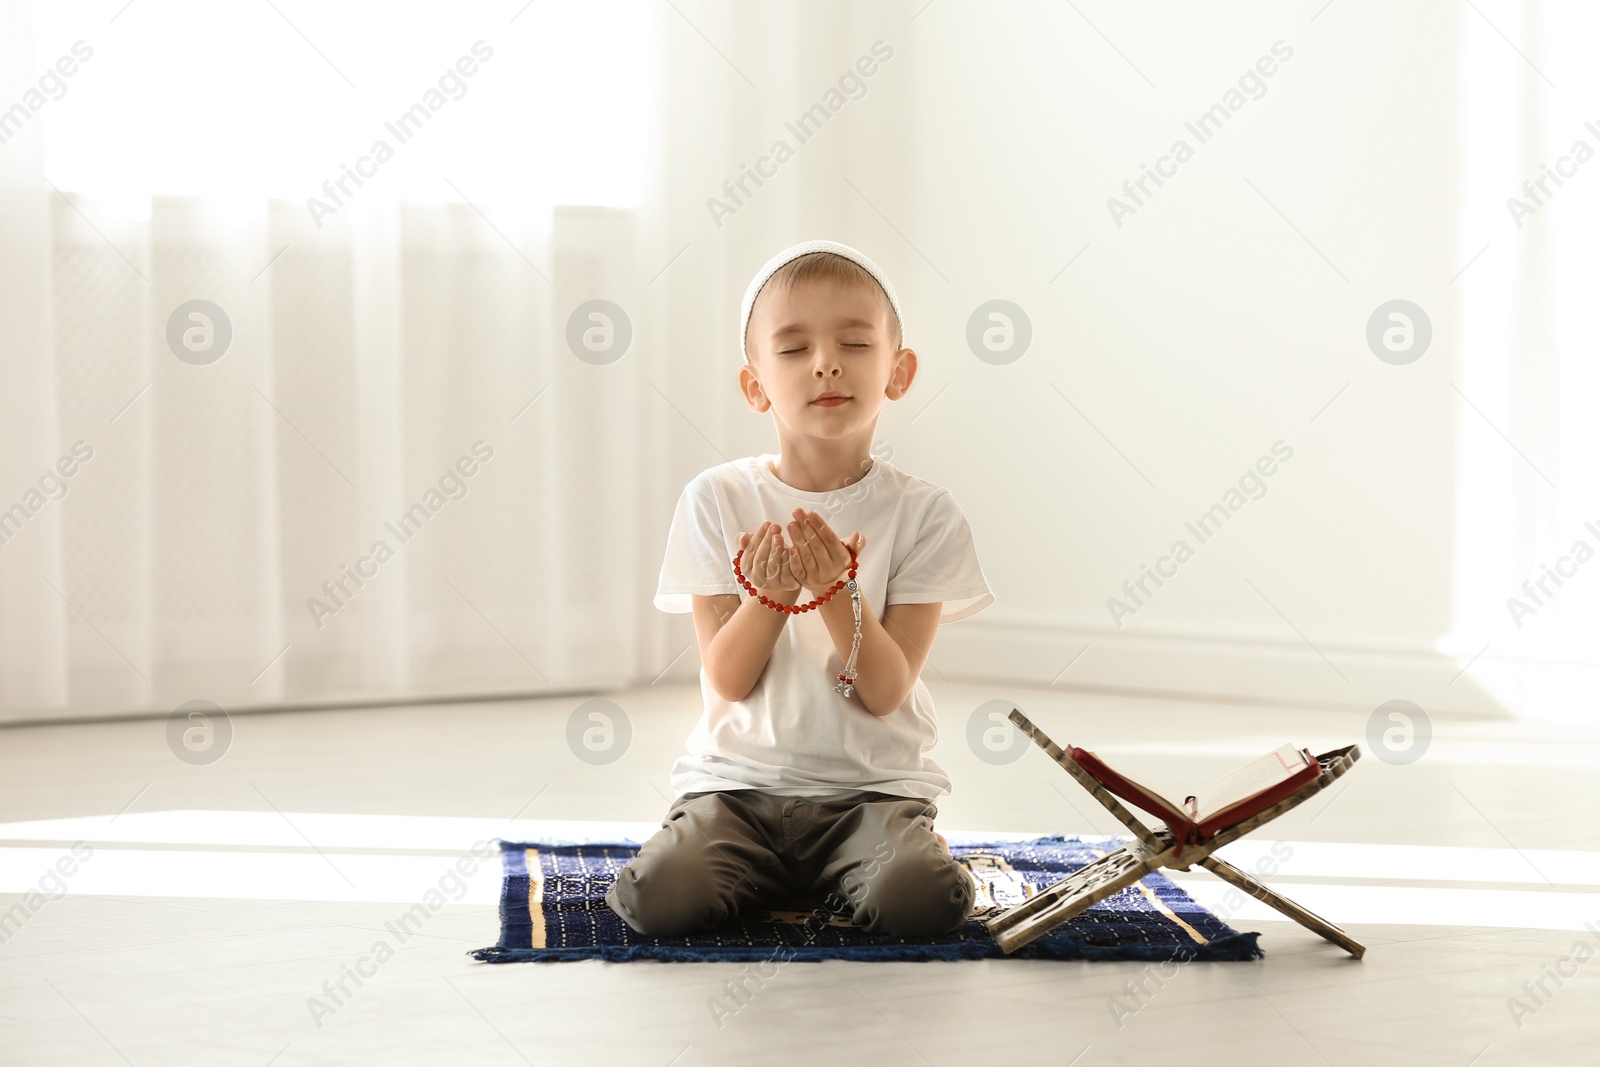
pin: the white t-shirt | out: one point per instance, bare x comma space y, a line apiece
792, 735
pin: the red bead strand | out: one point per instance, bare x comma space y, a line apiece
794, 609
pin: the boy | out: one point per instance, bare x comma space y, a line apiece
801, 777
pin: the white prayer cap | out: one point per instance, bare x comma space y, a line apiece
796, 251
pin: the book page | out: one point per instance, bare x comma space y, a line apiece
1254, 777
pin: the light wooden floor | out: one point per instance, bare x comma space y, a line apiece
217, 901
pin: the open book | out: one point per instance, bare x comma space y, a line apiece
1229, 800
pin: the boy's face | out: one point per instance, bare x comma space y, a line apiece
824, 336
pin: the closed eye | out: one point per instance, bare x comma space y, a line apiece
789, 351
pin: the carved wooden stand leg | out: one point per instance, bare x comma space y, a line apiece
1071, 896
1309, 919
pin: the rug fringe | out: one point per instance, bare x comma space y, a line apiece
1235, 948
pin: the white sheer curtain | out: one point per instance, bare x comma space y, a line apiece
1528, 478
373, 362
369, 356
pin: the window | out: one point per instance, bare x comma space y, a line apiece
232, 101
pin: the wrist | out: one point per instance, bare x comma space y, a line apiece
813, 594
782, 596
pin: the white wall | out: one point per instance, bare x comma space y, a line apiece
1226, 314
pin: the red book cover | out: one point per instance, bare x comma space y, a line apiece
1230, 800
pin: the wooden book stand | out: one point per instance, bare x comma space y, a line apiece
1153, 850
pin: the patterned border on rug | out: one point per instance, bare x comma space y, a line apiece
552, 908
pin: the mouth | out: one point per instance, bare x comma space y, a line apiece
830, 401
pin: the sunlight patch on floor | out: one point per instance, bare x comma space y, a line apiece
319, 856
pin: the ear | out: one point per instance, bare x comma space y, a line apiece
904, 371
750, 386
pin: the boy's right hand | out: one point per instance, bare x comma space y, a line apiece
765, 562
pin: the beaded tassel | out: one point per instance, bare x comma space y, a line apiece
847, 678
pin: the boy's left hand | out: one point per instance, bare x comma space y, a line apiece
819, 556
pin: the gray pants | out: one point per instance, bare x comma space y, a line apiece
717, 852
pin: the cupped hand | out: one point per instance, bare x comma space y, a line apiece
765, 560
819, 557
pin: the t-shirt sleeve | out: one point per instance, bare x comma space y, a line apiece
942, 565
697, 560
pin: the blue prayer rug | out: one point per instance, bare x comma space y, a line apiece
552, 907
